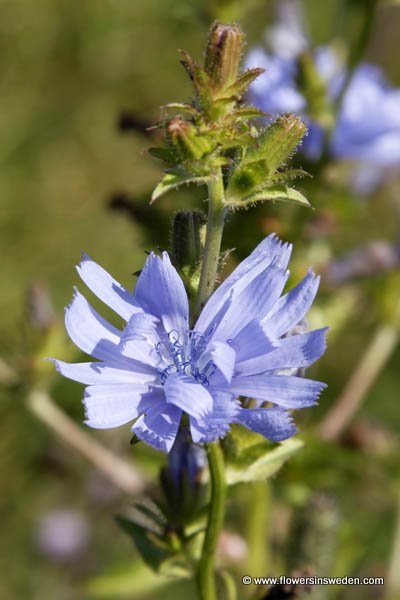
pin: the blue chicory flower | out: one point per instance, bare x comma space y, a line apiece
157, 369
368, 125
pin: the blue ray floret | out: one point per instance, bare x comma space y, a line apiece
157, 369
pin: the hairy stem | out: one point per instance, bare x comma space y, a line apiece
212, 248
209, 268
206, 575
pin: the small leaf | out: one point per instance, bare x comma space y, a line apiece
145, 540
163, 154
181, 107
247, 112
242, 83
171, 181
200, 78
259, 461
136, 581
276, 193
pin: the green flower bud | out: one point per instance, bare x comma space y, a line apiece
278, 142
187, 236
223, 54
274, 147
185, 140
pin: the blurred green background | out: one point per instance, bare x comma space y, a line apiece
67, 71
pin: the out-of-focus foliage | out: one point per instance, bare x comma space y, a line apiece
68, 70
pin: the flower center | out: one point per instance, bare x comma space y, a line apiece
182, 356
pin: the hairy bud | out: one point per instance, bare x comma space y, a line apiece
187, 238
185, 140
223, 54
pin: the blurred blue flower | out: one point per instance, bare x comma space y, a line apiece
157, 368
368, 124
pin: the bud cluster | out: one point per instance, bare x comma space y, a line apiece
217, 130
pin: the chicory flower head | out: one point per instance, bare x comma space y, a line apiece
157, 369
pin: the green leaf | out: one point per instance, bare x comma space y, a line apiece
259, 461
172, 181
288, 175
276, 193
200, 79
163, 154
247, 112
242, 83
146, 539
136, 581
181, 107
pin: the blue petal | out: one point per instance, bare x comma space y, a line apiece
141, 326
160, 292
223, 356
273, 423
190, 396
283, 390
114, 405
252, 341
89, 331
257, 298
139, 339
295, 351
92, 373
140, 351
106, 288
262, 256
158, 426
217, 423
292, 307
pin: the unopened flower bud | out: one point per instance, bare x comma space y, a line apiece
223, 54
274, 147
278, 142
187, 238
185, 140
181, 479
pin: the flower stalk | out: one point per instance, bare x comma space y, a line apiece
209, 268
215, 226
206, 574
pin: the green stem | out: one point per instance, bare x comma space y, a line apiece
212, 247
209, 268
206, 575
257, 525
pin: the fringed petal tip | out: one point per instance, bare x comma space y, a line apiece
158, 426
207, 436
75, 296
154, 440
275, 424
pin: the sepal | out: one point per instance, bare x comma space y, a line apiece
173, 180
